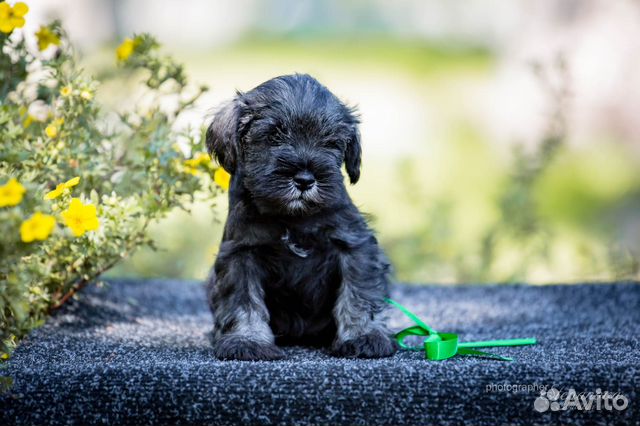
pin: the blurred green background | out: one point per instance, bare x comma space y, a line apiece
501, 139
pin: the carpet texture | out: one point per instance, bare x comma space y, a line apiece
138, 352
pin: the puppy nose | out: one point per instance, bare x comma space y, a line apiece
304, 180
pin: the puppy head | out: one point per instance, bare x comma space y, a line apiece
288, 139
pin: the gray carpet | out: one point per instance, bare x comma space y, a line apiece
137, 352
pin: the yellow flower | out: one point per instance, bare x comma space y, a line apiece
12, 17
37, 227
11, 193
191, 166
200, 158
28, 120
222, 178
52, 129
66, 91
60, 188
191, 170
86, 95
80, 218
46, 38
125, 50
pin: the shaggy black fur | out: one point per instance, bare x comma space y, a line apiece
298, 263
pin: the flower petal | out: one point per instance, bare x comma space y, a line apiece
77, 230
5, 25
222, 178
17, 22
20, 9
25, 233
92, 224
72, 182
55, 193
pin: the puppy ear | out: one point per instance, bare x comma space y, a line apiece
223, 141
353, 151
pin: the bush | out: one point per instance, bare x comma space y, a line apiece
548, 223
79, 185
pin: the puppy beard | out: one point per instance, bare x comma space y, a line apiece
296, 202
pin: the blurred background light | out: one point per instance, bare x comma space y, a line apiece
457, 99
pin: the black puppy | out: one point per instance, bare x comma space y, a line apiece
298, 263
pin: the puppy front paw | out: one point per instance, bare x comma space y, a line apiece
375, 344
244, 349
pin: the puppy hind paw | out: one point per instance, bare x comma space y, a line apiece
243, 349
371, 345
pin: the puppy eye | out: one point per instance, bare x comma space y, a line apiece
277, 136
274, 141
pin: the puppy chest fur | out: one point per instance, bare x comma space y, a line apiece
301, 287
